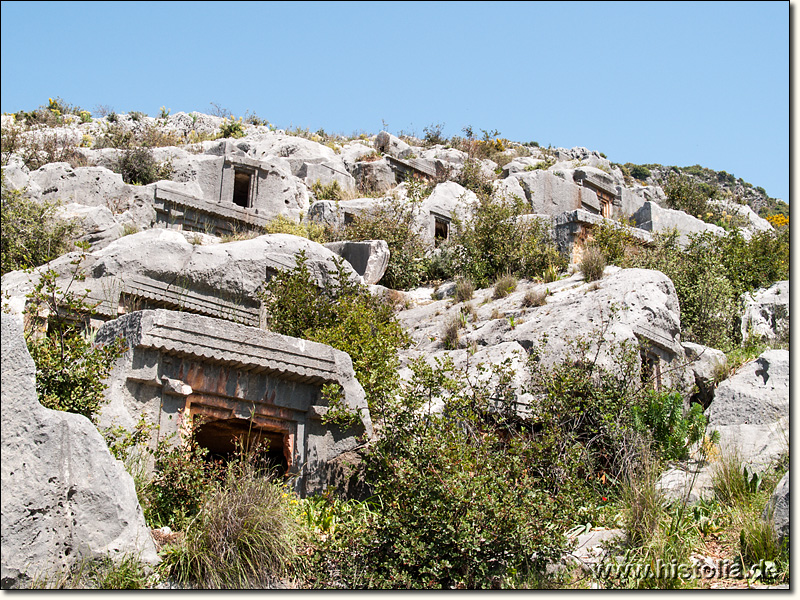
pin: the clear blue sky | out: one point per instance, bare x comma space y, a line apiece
674, 83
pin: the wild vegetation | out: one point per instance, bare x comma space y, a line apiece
473, 494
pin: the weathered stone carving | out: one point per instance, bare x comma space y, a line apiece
234, 380
573, 229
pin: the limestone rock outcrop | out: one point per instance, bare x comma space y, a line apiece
766, 313
778, 508
162, 267
64, 497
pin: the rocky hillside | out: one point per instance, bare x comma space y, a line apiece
466, 362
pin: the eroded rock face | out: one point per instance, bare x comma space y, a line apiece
757, 394
627, 306
64, 496
766, 313
162, 266
706, 364
750, 411
652, 217
368, 258
778, 506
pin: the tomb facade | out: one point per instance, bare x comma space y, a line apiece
229, 381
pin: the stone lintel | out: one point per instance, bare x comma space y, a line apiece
223, 342
217, 210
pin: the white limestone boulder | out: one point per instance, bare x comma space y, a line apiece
778, 508
65, 498
757, 394
394, 146
652, 217
766, 313
90, 186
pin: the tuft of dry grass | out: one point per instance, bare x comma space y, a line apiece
243, 537
535, 297
592, 264
464, 290
450, 334
504, 285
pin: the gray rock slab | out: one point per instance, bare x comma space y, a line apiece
757, 394
64, 496
654, 218
778, 508
369, 258
766, 313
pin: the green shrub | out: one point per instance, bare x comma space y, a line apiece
711, 273
592, 264
180, 483
70, 368
344, 315
494, 240
616, 243
139, 167
462, 499
232, 128
332, 191
395, 221
472, 178
662, 416
691, 196
32, 234
639, 172
243, 536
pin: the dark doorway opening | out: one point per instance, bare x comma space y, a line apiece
220, 438
441, 230
241, 188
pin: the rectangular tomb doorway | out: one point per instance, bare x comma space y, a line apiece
225, 438
242, 184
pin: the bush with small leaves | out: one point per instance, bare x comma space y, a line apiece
232, 128
138, 166
32, 234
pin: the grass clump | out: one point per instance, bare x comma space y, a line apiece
592, 264
504, 285
464, 290
125, 572
535, 297
312, 231
450, 332
243, 536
